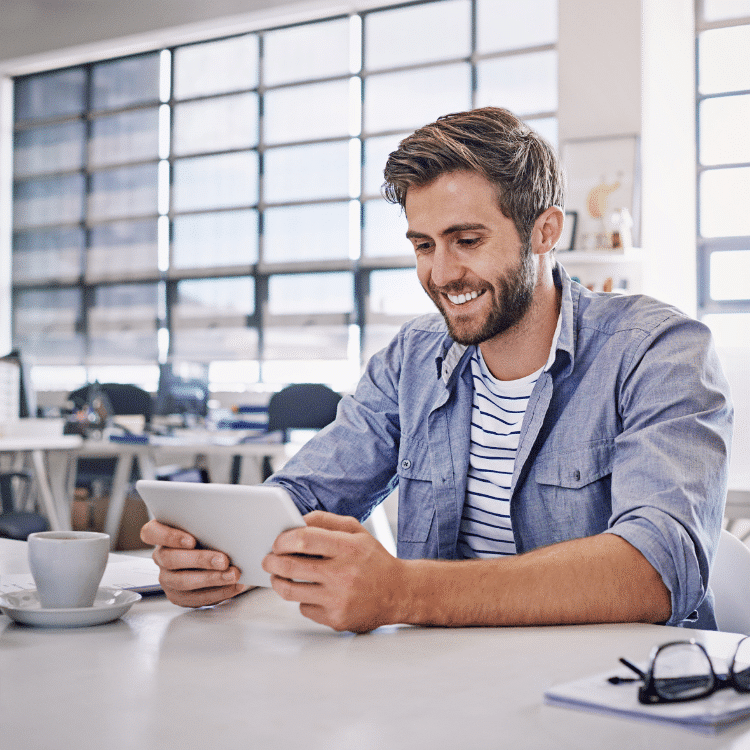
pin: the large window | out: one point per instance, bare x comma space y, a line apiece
723, 111
220, 201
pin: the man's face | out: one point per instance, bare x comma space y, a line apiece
470, 259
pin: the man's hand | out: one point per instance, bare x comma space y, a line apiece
190, 577
341, 575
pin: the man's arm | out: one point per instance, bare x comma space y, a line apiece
366, 437
352, 583
669, 477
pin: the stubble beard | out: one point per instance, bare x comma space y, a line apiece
512, 295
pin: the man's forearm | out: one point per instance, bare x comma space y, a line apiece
597, 579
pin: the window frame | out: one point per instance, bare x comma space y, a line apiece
707, 246
168, 277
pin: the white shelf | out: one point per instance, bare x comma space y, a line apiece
595, 269
601, 256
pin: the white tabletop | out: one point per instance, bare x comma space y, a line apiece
253, 673
218, 449
203, 442
51, 459
49, 455
19, 444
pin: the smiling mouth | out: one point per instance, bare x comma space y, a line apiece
462, 299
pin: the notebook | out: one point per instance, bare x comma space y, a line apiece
130, 572
595, 693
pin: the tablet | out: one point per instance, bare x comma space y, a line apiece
241, 520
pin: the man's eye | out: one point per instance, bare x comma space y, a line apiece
422, 247
468, 241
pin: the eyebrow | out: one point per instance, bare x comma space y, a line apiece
453, 229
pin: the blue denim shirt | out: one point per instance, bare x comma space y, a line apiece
628, 433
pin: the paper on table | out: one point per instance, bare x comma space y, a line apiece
595, 693
139, 574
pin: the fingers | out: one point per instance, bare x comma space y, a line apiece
297, 591
323, 520
340, 574
197, 587
316, 603
168, 558
295, 568
324, 536
323, 616
159, 534
204, 597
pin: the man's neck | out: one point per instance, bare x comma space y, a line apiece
525, 348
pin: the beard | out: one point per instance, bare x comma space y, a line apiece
511, 296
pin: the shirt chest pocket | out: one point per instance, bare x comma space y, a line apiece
575, 487
576, 468
416, 501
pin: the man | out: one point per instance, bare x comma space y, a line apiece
561, 455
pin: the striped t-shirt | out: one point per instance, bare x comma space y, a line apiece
496, 417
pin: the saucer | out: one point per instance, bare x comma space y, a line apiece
24, 607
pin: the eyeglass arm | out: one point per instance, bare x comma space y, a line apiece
631, 666
617, 680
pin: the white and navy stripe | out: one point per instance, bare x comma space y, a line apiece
496, 418
497, 415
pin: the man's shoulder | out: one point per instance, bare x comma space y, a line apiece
418, 341
614, 313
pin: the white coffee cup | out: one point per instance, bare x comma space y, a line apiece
67, 566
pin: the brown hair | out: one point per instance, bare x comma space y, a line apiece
491, 141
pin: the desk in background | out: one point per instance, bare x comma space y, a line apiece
49, 456
218, 452
253, 673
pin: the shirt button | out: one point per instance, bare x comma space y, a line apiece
406, 464
577, 475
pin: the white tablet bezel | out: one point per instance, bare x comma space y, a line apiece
241, 520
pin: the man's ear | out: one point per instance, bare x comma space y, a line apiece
547, 230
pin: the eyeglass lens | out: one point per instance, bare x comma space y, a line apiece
740, 670
682, 671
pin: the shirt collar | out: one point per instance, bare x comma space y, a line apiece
553, 348
566, 323
450, 357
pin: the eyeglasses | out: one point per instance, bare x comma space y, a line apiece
682, 671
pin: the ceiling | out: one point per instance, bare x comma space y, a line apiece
32, 27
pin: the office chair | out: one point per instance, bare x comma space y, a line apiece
124, 398
730, 582
17, 524
302, 406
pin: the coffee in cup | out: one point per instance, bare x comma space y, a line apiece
67, 566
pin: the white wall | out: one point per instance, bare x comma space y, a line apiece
628, 68
600, 68
32, 27
668, 151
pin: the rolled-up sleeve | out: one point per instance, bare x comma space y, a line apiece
669, 478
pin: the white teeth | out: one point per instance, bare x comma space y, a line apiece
461, 298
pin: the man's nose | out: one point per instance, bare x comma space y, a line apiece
445, 269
